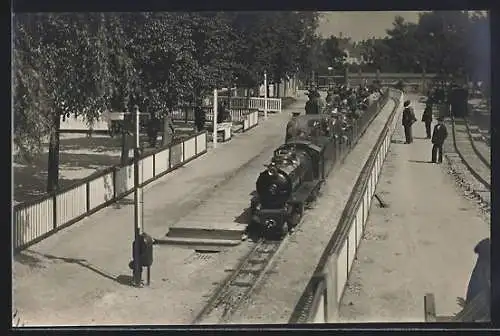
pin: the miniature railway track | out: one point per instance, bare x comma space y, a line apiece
247, 275
240, 284
476, 162
483, 155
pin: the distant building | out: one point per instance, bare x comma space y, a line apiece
353, 56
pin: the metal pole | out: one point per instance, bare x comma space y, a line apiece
265, 95
137, 271
214, 135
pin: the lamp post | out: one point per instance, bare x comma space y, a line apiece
330, 70
265, 95
214, 134
137, 268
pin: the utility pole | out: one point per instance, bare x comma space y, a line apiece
137, 267
214, 134
265, 95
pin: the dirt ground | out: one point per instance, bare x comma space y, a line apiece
422, 243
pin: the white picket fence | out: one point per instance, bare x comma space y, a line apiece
238, 106
37, 219
273, 104
40, 218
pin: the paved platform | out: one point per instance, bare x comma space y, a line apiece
422, 243
275, 298
80, 276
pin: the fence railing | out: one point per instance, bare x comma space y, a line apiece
321, 299
251, 121
238, 114
273, 104
40, 218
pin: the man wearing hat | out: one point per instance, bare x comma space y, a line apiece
427, 118
408, 120
312, 104
438, 136
292, 128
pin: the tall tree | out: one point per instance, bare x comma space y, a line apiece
214, 42
333, 53
64, 58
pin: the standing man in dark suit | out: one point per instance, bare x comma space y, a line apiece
312, 104
153, 128
408, 120
427, 118
439, 134
199, 115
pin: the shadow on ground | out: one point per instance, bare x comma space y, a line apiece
35, 260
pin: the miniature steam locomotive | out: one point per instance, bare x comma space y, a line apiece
297, 170
295, 175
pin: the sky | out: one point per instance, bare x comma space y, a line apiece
361, 25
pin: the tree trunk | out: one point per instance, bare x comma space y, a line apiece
124, 158
53, 163
277, 87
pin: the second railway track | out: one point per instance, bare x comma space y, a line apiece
477, 163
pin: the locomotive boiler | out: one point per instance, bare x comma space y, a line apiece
290, 182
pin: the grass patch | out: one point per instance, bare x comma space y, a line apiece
80, 156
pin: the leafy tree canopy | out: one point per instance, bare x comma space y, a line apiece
83, 64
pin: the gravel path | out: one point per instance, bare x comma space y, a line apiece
423, 243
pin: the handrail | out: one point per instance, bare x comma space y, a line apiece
342, 231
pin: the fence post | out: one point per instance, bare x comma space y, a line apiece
87, 187
196, 144
114, 182
183, 151
265, 95
169, 157
54, 208
154, 165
